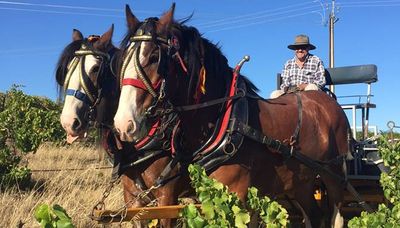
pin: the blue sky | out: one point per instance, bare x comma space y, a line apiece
33, 34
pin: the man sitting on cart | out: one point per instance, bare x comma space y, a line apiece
303, 72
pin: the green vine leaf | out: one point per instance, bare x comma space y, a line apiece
55, 217
221, 208
390, 181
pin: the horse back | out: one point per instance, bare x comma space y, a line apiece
323, 126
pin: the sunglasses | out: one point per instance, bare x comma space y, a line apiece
301, 47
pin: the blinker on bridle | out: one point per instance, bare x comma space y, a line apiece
134, 51
91, 95
143, 81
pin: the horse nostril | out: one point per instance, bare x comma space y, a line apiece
131, 127
76, 124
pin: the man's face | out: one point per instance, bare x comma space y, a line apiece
301, 52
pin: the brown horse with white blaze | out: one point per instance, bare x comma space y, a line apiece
193, 71
83, 72
85, 75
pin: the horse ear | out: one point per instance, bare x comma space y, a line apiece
131, 20
76, 35
166, 19
105, 39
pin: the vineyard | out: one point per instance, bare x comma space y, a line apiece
38, 168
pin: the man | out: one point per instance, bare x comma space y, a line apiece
305, 71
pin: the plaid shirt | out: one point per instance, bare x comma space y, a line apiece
313, 71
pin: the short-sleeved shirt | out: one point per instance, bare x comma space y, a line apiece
313, 71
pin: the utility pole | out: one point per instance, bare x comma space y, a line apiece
332, 21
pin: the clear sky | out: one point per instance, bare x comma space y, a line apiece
33, 34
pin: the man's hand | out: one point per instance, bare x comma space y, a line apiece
302, 86
285, 89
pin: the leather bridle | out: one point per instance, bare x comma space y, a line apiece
156, 89
144, 82
91, 95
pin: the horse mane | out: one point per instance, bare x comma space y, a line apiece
197, 52
62, 65
210, 55
251, 88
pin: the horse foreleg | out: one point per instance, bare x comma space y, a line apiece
167, 195
337, 218
306, 219
335, 192
308, 205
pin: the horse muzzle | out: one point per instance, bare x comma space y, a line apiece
74, 128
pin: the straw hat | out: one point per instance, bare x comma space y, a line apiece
301, 40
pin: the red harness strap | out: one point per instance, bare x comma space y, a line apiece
227, 115
146, 139
139, 84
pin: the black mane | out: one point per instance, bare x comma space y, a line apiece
66, 56
209, 54
197, 51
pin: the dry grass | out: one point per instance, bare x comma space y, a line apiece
77, 191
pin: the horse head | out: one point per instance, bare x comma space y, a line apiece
85, 78
164, 65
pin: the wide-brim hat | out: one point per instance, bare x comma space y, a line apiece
301, 40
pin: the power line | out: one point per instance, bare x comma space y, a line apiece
217, 23
72, 7
365, 5
59, 6
258, 17
228, 21
252, 14
146, 12
28, 49
61, 12
383, 3
371, 2
260, 22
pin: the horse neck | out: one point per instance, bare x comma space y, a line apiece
199, 124
108, 105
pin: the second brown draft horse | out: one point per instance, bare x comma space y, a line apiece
168, 66
86, 75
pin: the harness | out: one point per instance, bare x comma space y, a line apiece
156, 89
91, 95
233, 127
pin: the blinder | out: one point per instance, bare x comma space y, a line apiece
145, 33
91, 95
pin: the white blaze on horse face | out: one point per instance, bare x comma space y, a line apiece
70, 119
126, 119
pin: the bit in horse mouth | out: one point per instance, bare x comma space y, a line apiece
73, 138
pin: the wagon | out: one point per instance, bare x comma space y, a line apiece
364, 167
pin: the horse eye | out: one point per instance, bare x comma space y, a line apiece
153, 59
95, 69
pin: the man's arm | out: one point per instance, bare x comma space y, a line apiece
320, 75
